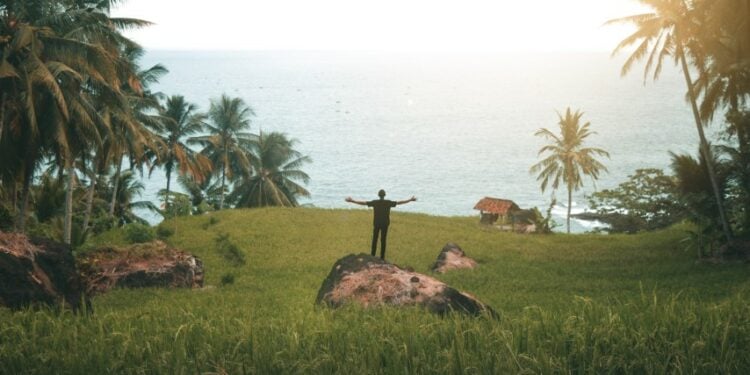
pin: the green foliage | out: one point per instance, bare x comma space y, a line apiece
179, 205
276, 174
180, 119
49, 198
139, 233
648, 200
212, 220
695, 191
125, 204
568, 305
6, 218
164, 231
544, 223
225, 146
229, 251
227, 279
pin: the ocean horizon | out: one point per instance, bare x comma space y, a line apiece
447, 128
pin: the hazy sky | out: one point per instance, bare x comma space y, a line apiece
391, 25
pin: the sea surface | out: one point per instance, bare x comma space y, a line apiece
447, 128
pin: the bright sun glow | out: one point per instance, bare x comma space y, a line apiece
391, 25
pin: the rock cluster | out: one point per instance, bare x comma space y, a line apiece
38, 271
152, 264
452, 257
370, 281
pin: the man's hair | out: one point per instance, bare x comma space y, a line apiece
381, 193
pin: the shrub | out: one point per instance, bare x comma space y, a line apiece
646, 201
211, 221
6, 218
227, 279
164, 232
179, 205
139, 233
229, 251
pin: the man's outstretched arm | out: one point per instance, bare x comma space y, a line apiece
350, 200
412, 199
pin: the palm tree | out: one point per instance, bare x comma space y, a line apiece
568, 161
227, 140
275, 174
204, 195
669, 31
130, 187
181, 120
131, 121
57, 57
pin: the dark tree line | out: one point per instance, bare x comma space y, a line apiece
79, 126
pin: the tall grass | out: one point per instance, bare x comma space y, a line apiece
568, 304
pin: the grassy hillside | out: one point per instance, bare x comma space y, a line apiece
569, 303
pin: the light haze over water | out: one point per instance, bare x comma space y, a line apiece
448, 128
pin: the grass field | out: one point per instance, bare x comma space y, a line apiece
568, 304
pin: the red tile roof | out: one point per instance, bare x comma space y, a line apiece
496, 205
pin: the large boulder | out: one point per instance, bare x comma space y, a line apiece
152, 264
371, 281
452, 257
38, 271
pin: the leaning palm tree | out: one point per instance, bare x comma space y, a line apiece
669, 31
567, 160
131, 120
276, 172
227, 139
181, 120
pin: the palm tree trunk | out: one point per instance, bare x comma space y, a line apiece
89, 202
221, 199
570, 202
25, 190
705, 149
68, 224
2, 114
166, 196
742, 142
14, 200
115, 186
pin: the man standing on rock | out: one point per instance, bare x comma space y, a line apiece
381, 219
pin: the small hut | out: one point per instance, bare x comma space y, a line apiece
493, 210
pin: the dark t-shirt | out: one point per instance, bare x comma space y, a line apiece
382, 208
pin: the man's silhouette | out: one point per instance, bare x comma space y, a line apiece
381, 218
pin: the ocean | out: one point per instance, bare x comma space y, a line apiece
447, 128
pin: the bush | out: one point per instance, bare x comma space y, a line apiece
227, 279
164, 232
229, 251
211, 221
179, 205
6, 219
139, 233
646, 201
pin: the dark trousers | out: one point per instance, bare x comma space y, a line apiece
383, 234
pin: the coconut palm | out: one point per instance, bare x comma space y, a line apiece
132, 122
229, 119
567, 160
125, 206
57, 59
181, 120
724, 37
276, 172
204, 196
670, 31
